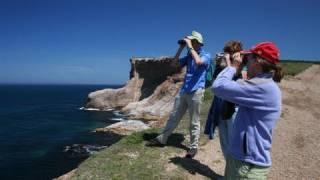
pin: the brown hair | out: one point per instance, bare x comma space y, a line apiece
232, 47
276, 69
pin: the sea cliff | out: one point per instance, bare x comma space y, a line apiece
148, 95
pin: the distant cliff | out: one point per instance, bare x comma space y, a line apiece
148, 95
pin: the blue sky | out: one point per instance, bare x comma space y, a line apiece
91, 42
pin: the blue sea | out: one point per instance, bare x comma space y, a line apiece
43, 134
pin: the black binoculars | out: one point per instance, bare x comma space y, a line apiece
182, 42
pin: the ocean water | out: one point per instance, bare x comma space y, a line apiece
43, 134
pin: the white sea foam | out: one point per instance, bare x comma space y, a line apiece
94, 109
117, 119
89, 109
118, 113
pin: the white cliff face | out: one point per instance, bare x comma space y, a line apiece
115, 98
124, 128
148, 95
159, 105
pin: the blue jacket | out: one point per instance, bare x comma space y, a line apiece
213, 117
259, 101
195, 77
216, 111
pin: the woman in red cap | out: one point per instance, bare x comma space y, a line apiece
259, 102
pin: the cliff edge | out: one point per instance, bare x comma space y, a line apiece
148, 95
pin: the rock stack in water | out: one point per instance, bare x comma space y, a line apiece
148, 95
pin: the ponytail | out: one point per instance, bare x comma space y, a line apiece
270, 67
278, 73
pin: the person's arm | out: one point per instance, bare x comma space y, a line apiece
183, 61
193, 52
176, 59
178, 53
243, 94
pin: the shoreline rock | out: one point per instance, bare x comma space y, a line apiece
124, 127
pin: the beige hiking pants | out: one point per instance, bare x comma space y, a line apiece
185, 101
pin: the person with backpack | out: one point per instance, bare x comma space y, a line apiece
259, 102
191, 94
221, 113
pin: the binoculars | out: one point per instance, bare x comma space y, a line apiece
182, 42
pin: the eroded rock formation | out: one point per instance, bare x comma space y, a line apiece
148, 95
124, 127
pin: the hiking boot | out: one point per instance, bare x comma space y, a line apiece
154, 143
191, 153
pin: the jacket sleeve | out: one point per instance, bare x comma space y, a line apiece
183, 61
205, 58
243, 94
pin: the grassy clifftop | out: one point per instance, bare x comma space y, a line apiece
295, 67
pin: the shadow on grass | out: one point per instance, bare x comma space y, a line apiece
175, 140
194, 166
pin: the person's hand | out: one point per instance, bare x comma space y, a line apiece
237, 60
188, 42
227, 58
237, 57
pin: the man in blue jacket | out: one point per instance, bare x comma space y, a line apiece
191, 93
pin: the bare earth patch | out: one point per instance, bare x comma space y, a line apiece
296, 145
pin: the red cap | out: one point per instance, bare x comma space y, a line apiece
266, 50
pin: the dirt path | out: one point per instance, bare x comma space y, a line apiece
296, 145
296, 139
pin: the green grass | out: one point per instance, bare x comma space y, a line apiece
294, 68
208, 95
131, 159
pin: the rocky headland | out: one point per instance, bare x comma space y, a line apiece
148, 95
